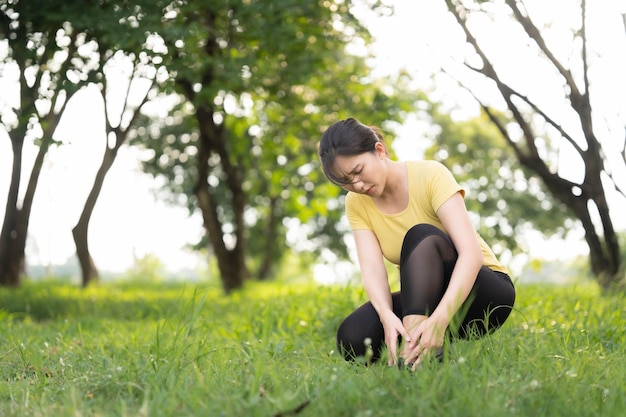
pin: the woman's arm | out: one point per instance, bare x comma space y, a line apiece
429, 331
457, 224
373, 271
376, 284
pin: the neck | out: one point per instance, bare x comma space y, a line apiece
396, 182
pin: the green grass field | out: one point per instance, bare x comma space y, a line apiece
188, 350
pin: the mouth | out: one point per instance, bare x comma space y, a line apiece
369, 190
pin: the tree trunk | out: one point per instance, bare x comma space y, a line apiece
15, 226
604, 250
80, 232
45, 83
11, 262
231, 261
270, 235
233, 271
605, 256
89, 271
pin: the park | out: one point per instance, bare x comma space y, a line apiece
194, 127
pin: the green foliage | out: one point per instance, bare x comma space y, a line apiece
176, 349
54, 49
273, 75
507, 198
270, 75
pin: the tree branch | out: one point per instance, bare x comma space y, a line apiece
624, 148
580, 101
583, 33
616, 185
143, 101
552, 122
534, 33
489, 72
107, 125
65, 67
127, 94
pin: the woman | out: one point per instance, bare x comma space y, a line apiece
413, 214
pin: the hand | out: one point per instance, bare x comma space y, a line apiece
393, 329
426, 333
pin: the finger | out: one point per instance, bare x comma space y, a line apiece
405, 335
393, 349
416, 363
415, 344
418, 359
406, 352
417, 337
391, 360
412, 355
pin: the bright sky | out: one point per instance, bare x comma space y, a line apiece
129, 221
436, 41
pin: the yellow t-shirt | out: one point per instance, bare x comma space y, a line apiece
430, 185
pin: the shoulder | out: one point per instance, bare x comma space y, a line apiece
427, 169
350, 198
436, 180
427, 165
357, 201
353, 201
357, 213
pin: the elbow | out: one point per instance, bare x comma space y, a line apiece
473, 260
473, 256
480, 256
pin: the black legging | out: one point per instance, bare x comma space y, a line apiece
426, 262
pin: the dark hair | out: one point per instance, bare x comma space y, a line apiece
347, 137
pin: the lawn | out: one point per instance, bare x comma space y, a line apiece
188, 350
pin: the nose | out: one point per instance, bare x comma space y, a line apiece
358, 185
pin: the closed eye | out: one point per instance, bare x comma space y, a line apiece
356, 177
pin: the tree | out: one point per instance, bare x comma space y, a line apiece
45, 53
536, 132
58, 50
117, 127
508, 199
258, 82
129, 63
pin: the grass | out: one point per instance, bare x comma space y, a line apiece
188, 350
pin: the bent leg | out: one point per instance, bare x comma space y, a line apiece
427, 261
426, 264
362, 324
489, 305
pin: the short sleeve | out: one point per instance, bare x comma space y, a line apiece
442, 185
356, 213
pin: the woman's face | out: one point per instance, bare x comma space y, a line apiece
365, 173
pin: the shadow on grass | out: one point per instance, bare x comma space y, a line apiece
56, 300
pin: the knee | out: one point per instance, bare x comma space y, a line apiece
352, 344
421, 230
417, 234
349, 344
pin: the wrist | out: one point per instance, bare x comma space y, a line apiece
386, 314
441, 316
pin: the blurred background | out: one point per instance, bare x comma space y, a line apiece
177, 140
